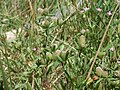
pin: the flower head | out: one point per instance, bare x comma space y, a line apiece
34, 49
82, 11
112, 49
118, 61
10, 36
109, 13
86, 9
99, 9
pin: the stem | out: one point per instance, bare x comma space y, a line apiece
105, 33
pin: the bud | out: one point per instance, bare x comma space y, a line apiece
56, 54
82, 41
101, 54
95, 78
49, 55
28, 49
63, 55
101, 72
117, 73
45, 23
42, 11
119, 28
18, 44
83, 31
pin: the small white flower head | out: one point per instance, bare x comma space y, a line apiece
26, 16
72, 10
112, 49
109, 13
87, 30
83, 31
30, 64
58, 14
86, 9
99, 9
118, 1
82, 11
11, 36
34, 49
5, 20
40, 10
118, 61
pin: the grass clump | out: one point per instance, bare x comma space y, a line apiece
59, 45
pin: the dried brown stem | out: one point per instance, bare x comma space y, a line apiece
33, 80
105, 33
32, 8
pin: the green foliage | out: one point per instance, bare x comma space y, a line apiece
55, 43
